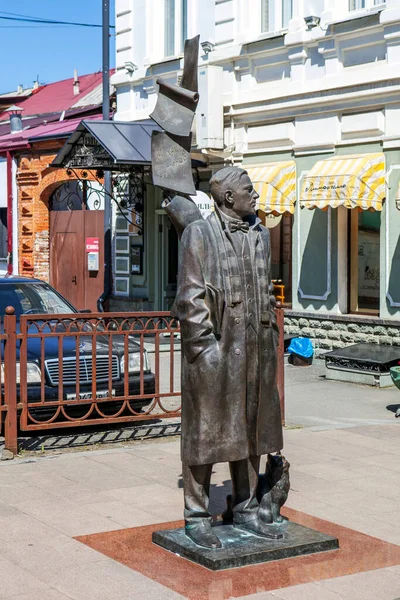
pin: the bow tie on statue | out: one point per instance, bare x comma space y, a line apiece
238, 226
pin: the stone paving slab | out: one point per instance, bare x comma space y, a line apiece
133, 548
46, 500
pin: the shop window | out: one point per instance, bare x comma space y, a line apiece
364, 268
3, 232
169, 255
281, 258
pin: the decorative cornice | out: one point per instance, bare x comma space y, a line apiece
310, 101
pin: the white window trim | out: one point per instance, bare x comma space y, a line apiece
120, 229
166, 53
178, 29
124, 271
124, 238
118, 292
369, 5
179, 42
277, 24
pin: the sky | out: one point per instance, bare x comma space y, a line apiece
50, 52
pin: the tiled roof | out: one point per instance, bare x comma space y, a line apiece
59, 96
13, 141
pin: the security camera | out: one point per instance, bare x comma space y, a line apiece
207, 47
312, 21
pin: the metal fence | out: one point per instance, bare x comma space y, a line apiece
63, 371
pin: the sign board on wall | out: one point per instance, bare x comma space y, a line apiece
204, 203
92, 244
136, 259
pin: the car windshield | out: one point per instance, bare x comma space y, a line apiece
31, 298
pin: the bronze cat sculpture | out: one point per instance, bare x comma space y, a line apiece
272, 491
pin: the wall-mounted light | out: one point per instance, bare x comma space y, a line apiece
312, 21
207, 47
130, 67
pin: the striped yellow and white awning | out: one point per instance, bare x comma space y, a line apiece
350, 181
275, 183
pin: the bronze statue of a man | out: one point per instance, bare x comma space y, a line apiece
230, 403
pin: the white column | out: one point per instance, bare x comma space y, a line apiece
202, 19
243, 16
297, 56
334, 10
297, 23
391, 12
391, 18
328, 49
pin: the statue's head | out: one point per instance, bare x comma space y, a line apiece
233, 192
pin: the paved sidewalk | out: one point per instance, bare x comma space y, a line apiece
349, 476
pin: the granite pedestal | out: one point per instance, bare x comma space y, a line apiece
240, 548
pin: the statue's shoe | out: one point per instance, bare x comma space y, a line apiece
257, 527
203, 535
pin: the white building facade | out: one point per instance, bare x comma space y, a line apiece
287, 89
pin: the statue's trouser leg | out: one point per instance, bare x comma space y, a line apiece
196, 489
244, 474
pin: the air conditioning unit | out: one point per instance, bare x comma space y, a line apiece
210, 112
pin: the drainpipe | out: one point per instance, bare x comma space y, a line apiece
9, 214
107, 175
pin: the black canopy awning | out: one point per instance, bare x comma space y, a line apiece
107, 145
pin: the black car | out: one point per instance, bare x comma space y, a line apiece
32, 296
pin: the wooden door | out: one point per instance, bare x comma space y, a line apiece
69, 273
66, 256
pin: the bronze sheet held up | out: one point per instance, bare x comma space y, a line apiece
171, 162
175, 108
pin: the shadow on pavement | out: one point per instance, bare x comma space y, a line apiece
96, 435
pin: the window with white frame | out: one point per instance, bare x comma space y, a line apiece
175, 26
287, 12
275, 14
169, 27
356, 4
184, 19
360, 4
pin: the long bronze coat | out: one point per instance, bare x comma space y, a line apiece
215, 426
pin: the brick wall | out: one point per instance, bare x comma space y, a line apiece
36, 182
33, 234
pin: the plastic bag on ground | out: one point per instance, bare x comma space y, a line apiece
302, 347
